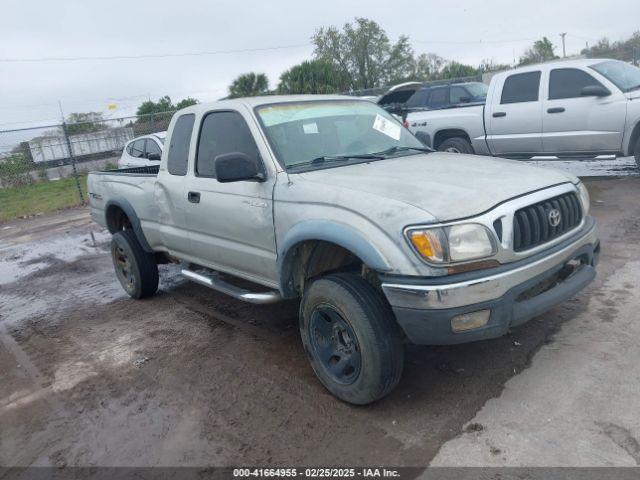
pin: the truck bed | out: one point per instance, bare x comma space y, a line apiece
133, 186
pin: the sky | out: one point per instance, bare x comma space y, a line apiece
35, 92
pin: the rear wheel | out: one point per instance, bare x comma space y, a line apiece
351, 338
456, 145
137, 270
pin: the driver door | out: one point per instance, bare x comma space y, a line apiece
231, 224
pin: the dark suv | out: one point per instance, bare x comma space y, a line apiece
418, 95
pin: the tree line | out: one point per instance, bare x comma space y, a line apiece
360, 56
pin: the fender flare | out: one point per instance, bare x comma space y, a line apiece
126, 207
323, 230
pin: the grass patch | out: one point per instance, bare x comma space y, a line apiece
40, 197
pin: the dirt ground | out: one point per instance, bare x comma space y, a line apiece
190, 377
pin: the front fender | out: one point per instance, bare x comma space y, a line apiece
340, 234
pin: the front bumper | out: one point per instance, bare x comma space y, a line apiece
514, 293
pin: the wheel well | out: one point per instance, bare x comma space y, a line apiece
313, 258
117, 220
443, 135
634, 139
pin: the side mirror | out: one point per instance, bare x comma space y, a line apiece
465, 99
237, 167
595, 91
153, 156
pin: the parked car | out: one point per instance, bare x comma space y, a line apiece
415, 95
573, 108
143, 151
328, 199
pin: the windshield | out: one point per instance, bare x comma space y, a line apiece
624, 76
302, 132
477, 89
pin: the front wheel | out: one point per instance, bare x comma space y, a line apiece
351, 338
636, 152
136, 269
456, 145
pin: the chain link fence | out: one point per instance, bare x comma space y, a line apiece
45, 168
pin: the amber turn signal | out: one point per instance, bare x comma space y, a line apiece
429, 244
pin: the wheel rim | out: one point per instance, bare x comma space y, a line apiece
452, 150
123, 268
334, 344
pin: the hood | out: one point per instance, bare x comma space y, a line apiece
446, 185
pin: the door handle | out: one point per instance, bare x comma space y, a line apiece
499, 114
193, 197
555, 110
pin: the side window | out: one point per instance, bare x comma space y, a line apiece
521, 87
178, 157
152, 147
439, 97
457, 94
222, 132
137, 149
569, 82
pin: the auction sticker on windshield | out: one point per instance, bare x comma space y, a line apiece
386, 126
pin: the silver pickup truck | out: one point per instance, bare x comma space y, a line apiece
328, 199
564, 109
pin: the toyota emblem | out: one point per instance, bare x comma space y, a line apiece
554, 217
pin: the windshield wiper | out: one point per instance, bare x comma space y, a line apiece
336, 158
636, 87
395, 149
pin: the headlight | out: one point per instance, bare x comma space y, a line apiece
457, 243
584, 198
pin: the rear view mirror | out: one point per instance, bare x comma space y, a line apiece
236, 167
595, 91
153, 156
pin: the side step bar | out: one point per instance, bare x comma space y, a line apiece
262, 298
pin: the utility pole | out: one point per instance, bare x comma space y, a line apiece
61, 112
564, 50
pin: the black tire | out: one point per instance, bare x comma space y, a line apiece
378, 341
137, 270
636, 153
456, 145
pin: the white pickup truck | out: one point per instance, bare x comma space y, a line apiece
330, 200
565, 109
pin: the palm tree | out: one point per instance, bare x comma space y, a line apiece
249, 85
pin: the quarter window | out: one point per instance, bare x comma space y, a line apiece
178, 156
521, 87
221, 133
569, 82
137, 149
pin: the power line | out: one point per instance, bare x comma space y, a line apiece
158, 55
475, 42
